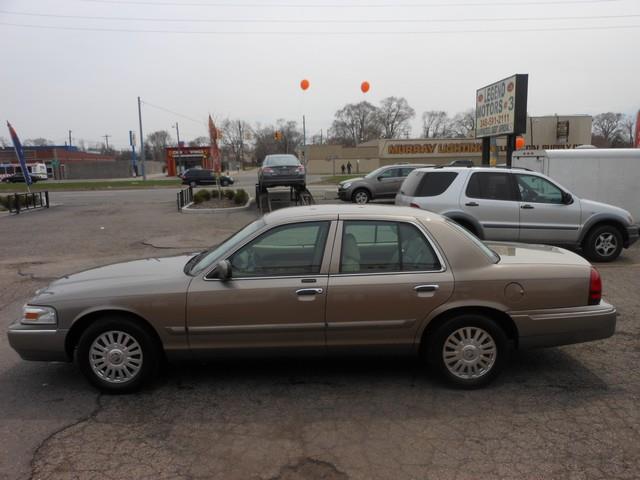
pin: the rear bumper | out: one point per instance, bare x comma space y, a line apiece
283, 181
38, 344
633, 233
563, 326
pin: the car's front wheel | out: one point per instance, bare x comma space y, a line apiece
603, 244
117, 355
468, 351
361, 196
224, 183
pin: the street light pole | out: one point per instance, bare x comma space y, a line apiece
69, 138
177, 133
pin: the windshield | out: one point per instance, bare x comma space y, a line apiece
375, 173
207, 258
495, 258
277, 160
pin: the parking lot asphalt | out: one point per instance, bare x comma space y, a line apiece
570, 412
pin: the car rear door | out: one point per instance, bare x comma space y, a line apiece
388, 183
544, 215
275, 298
386, 276
492, 199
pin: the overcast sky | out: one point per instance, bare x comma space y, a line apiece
85, 76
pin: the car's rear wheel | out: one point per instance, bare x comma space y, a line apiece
603, 244
117, 355
468, 351
361, 196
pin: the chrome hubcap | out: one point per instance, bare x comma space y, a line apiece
469, 352
115, 357
361, 197
606, 244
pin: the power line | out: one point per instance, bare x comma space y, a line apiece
306, 33
311, 21
502, 3
172, 112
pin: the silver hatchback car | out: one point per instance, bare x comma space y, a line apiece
520, 205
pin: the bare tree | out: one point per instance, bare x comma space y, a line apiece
355, 123
265, 141
200, 142
4, 142
37, 142
393, 117
608, 126
463, 124
81, 145
435, 123
628, 127
158, 141
233, 139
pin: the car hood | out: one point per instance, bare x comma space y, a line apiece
591, 207
128, 278
356, 179
535, 254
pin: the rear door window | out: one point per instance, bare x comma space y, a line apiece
491, 186
435, 183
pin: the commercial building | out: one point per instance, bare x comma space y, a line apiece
547, 132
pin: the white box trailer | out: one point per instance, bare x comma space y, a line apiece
609, 175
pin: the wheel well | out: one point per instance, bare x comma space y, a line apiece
80, 325
467, 224
502, 319
613, 223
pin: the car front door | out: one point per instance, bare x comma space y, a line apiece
385, 278
388, 183
492, 199
275, 298
546, 215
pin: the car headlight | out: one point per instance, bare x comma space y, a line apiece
32, 315
346, 185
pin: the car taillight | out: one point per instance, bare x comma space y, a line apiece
595, 287
414, 205
267, 170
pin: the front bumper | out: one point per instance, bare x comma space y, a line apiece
344, 195
37, 343
563, 326
633, 233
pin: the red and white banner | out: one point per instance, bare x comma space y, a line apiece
637, 143
214, 152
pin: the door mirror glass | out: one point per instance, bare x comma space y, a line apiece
223, 270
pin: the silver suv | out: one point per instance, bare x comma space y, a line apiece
520, 205
383, 182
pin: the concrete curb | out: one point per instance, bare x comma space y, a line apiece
213, 211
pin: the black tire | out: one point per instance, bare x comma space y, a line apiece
474, 322
361, 193
224, 183
603, 244
149, 358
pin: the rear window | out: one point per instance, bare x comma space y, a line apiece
427, 184
278, 160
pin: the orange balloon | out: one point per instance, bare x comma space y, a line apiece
520, 143
304, 84
365, 87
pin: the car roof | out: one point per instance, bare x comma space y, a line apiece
308, 212
474, 168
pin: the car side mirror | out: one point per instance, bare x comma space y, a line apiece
223, 270
567, 198
380, 178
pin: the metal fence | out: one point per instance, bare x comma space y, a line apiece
185, 196
27, 201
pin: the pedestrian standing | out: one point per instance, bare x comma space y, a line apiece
349, 167
342, 168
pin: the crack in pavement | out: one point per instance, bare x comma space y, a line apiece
310, 468
92, 415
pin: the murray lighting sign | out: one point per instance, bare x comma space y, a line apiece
501, 108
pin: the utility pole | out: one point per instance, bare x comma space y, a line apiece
177, 132
144, 174
304, 139
106, 139
241, 136
69, 138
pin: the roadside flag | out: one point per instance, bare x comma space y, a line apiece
214, 152
638, 130
20, 154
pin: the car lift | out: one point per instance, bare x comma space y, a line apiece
268, 201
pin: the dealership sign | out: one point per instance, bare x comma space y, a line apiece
501, 108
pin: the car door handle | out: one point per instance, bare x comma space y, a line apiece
472, 204
426, 288
303, 292
526, 206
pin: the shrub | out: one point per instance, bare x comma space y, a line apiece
4, 202
229, 194
201, 196
241, 197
